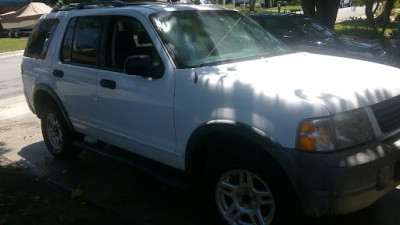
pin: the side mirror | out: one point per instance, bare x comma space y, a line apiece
142, 65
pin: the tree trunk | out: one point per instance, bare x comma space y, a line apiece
369, 5
386, 14
268, 3
308, 8
252, 5
324, 11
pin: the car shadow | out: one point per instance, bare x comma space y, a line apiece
137, 196
140, 198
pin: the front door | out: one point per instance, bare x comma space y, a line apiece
136, 112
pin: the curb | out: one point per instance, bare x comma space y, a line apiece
11, 54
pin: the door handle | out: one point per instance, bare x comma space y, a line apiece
58, 73
108, 83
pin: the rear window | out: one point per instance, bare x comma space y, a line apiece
40, 39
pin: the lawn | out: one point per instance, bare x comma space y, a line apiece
361, 28
12, 44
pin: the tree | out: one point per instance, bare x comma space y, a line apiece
324, 11
252, 5
371, 7
268, 3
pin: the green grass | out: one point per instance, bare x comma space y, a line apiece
12, 44
361, 28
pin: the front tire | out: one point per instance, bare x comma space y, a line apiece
57, 135
250, 189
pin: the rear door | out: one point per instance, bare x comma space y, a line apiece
76, 72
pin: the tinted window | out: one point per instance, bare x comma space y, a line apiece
81, 40
66, 51
40, 39
86, 38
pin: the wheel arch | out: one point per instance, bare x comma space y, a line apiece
43, 94
197, 152
263, 150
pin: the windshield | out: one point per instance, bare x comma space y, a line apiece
195, 38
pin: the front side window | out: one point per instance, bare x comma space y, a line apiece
81, 41
40, 39
194, 38
127, 37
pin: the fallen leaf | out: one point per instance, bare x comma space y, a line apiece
2, 221
76, 193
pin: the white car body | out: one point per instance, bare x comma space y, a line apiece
267, 100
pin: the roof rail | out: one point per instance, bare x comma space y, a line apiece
88, 5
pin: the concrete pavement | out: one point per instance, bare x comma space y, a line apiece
11, 54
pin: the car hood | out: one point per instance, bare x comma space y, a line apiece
354, 46
342, 46
339, 84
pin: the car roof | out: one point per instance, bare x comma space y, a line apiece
276, 15
146, 8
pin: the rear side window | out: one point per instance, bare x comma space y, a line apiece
81, 41
40, 39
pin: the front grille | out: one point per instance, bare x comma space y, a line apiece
387, 114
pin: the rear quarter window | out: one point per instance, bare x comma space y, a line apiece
40, 39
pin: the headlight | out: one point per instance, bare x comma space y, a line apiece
340, 131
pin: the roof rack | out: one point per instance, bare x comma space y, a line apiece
88, 5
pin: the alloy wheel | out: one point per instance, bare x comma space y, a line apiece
54, 132
242, 197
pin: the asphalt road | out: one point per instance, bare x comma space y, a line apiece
136, 196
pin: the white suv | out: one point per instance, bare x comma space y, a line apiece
261, 130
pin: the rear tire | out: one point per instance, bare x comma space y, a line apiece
57, 135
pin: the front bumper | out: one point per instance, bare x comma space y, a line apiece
341, 182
